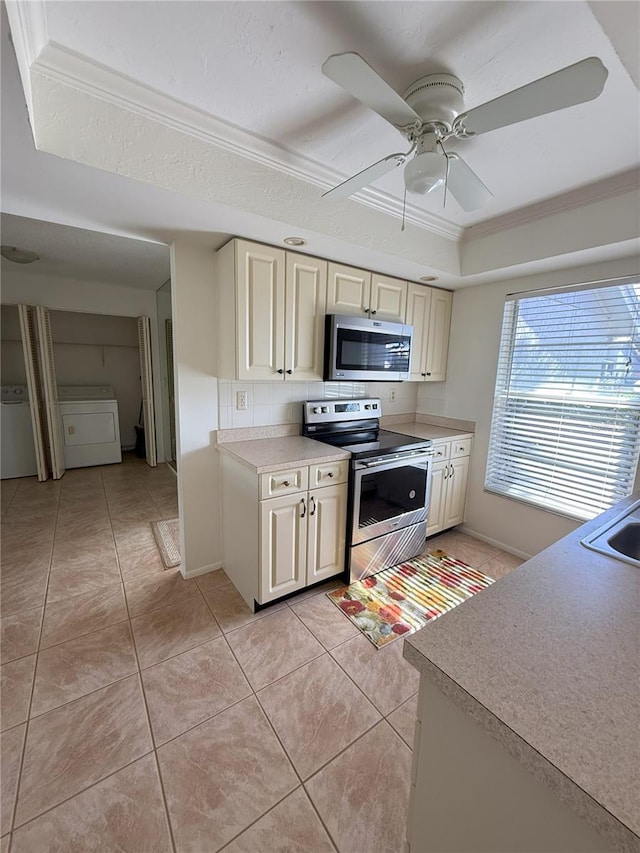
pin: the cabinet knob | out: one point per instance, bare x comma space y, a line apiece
423, 374
374, 312
286, 483
281, 371
329, 474
428, 373
289, 372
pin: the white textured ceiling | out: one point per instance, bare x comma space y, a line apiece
256, 65
238, 61
90, 256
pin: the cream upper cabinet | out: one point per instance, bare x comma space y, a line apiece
305, 307
429, 312
271, 313
438, 335
364, 294
348, 290
388, 298
418, 307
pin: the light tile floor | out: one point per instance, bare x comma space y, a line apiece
143, 712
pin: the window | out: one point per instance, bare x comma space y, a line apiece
565, 433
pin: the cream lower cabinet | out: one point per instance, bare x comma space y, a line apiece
302, 540
285, 530
449, 476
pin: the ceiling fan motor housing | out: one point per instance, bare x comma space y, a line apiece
436, 98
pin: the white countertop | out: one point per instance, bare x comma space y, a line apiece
428, 431
548, 660
274, 454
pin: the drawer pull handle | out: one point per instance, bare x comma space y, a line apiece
289, 372
304, 507
281, 370
329, 474
312, 501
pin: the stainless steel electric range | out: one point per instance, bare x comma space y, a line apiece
389, 482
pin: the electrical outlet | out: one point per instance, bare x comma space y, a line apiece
242, 401
392, 394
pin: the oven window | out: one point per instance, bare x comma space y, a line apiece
358, 349
387, 494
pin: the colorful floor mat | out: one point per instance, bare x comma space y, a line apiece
402, 599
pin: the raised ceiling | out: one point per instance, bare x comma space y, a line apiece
256, 66
223, 107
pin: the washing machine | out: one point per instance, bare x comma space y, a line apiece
17, 448
89, 424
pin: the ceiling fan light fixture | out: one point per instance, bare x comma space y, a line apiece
425, 173
19, 256
295, 241
427, 278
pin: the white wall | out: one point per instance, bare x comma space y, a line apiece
194, 312
468, 393
280, 402
63, 294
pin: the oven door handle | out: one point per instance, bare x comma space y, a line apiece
395, 462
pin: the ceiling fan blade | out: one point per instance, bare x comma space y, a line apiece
366, 176
465, 186
350, 71
572, 85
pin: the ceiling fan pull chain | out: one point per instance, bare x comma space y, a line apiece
404, 207
446, 175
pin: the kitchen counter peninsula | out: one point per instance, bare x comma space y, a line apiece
527, 736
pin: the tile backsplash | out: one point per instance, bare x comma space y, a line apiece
280, 402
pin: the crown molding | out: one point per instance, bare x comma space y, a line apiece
29, 35
620, 184
64, 66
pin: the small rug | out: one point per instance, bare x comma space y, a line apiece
402, 599
167, 536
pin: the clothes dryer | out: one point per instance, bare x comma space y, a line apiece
89, 424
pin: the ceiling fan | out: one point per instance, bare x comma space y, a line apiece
432, 111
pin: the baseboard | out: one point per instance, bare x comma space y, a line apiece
463, 528
202, 570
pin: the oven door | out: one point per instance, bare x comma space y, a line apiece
389, 494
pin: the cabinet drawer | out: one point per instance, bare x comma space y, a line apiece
328, 473
461, 447
441, 451
284, 482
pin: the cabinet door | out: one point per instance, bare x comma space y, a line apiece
388, 298
348, 290
260, 294
418, 307
305, 307
456, 491
435, 519
326, 534
283, 545
438, 335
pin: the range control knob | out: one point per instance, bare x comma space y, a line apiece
317, 410
324, 409
367, 405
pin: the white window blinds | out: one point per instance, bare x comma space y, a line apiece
565, 433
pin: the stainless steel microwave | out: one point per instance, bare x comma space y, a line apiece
366, 349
